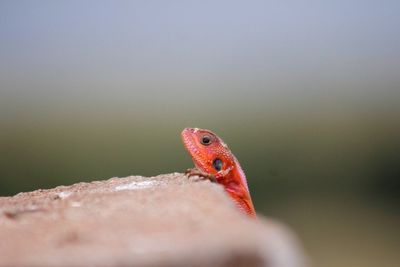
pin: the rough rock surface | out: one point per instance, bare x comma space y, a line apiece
167, 220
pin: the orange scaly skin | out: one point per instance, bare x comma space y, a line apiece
214, 161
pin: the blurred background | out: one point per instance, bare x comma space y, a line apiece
305, 93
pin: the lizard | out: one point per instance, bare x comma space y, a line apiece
214, 161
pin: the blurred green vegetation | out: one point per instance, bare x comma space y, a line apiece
323, 153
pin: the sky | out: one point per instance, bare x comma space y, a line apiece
253, 55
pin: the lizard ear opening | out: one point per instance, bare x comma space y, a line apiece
217, 164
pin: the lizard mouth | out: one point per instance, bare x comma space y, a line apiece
191, 146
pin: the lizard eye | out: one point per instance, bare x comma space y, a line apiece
217, 164
205, 140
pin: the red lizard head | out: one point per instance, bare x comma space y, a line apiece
211, 155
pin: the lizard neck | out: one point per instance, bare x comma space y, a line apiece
235, 178
235, 184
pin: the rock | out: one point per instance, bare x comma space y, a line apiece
167, 220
